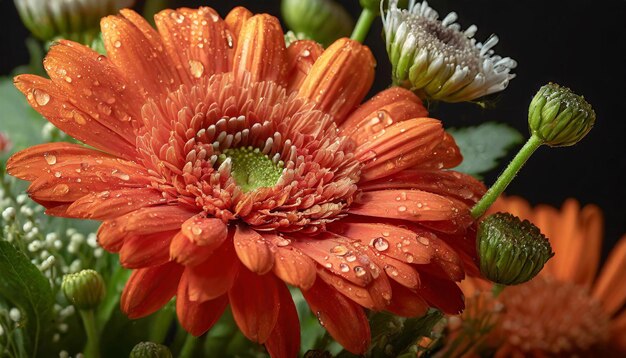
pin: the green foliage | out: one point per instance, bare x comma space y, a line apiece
484, 145
25, 287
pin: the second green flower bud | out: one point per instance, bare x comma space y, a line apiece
511, 251
84, 289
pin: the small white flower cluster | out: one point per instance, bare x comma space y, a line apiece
55, 252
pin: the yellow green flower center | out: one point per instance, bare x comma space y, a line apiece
252, 169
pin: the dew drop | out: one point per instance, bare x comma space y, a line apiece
402, 208
42, 98
410, 258
50, 158
328, 265
381, 244
318, 314
359, 271
344, 267
282, 242
68, 79
350, 258
57, 174
61, 189
79, 118
306, 53
339, 250
104, 108
117, 44
423, 240
196, 68
197, 231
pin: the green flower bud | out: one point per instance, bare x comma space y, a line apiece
150, 350
511, 251
77, 20
84, 289
321, 20
559, 117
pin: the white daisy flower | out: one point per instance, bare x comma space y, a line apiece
437, 60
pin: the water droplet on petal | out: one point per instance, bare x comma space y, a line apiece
68, 79
117, 44
57, 174
50, 158
42, 98
402, 208
344, 267
196, 68
423, 240
359, 271
380, 244
79, 118
351, 258
61, 189
197, 231
339, 250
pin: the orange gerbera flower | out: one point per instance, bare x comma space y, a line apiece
226, 165
566, 310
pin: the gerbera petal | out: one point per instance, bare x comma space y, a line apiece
331, 81
111, 204
301, 55
53, 103
253, 250
254, 303
215, 276
343, 319
388, 107
197, 317
411, 205
393, 241
618, 332
73, 179
144, 221
146, 250
458, 185
284, 341
339, 256
358, 294
406, 303
609, 287
445, 155
137, 50
398, 147
148, 289
261, 52
293, 267
95, 85
198, 239
442, 294
30, 163
197, 39
236, 18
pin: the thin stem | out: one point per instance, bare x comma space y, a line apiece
189, 346
363, 25
497, 289
507, 176
92, 348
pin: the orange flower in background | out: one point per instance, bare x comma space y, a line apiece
568, 309
225, 165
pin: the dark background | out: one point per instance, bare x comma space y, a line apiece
579, 44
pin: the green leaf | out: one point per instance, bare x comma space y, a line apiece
26, 288
484, 145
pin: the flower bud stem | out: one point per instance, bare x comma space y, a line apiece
92, 348
497, 289
506, 177
363, 25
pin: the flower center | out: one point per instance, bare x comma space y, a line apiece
553, 316
250, 168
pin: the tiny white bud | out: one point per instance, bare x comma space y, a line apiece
92, 240
28, 226
21, 199
97, 253
9, 213
64, 354
34, 246
55, 338
63, 327
51, 238
58, 244
77, 238
14, 314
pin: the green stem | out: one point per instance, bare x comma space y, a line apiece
189, 346
363, 25
507, 176
497, 289
92, 348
